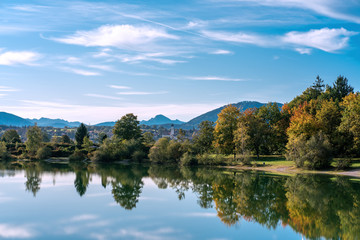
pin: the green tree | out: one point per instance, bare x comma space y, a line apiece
11, 136
339, 90
311, 93
205, 137
226, 125
252, 132
4, 154
148, 139
34, 139
101, 138
65, 139
81, 132
127, 127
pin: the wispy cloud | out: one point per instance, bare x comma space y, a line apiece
329, 8
142, 93
81, 71
216, 78
328, 40
83, 217
102, 96
119, 36
238, 37
10, 231
119, 87
8, 89
10, 58
221, 52
325, 39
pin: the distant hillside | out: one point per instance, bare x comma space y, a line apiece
160, 120
212, 115
9, 119
106, 124
58, 123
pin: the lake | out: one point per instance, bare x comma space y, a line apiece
139, 201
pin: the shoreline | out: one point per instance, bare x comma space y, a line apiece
291, 170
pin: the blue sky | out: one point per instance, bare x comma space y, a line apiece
95, 61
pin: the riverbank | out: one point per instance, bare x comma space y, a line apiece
279, 165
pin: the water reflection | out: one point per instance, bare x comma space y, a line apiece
315, 206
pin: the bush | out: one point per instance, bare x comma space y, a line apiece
77, 156
166, 150
211, 159
245, 158
4, 154
315, 153
138, 155
343, 163
188, 159
43, 152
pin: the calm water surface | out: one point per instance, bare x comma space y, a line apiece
86, 201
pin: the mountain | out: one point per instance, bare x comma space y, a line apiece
212, 115
160, 120
13, 120
58, 123
105, 124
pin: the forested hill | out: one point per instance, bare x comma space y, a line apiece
212, 115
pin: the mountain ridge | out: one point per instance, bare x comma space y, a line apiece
160, 120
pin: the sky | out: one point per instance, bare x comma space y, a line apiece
95, 61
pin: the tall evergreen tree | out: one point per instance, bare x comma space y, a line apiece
81, 132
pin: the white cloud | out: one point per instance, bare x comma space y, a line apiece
215, 78
119, 87
7, 89
19, 57
9, 231
328, 40
141, 93
102, 96
238, 37
303, 50
119, 36
2, 95
83, 217
221, 52
81, 71
154, 57
329, 8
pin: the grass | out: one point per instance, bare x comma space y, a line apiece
279, 165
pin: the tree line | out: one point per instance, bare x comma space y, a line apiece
316, 126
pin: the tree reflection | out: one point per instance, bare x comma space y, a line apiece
33, 180
316, 206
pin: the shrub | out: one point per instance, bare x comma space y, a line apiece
211, 159
4, 154
77, 156
188, 159
43, 152
315, 153
343, 163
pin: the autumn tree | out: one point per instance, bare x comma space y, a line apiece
81, 132
350, 121
226, 125
127, 127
